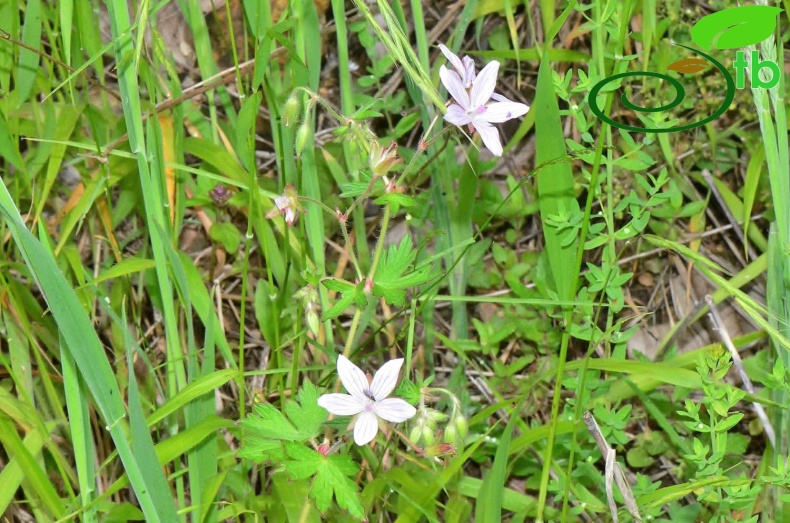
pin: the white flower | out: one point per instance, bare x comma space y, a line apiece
286, 204
368, 400
473, 106
465, 69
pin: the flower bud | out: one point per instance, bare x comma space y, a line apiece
302, 136
450, 433
220, 194
434, 415
415, 434
461, 425
382, 160
311, 318
291, 110
439, 450
428, 436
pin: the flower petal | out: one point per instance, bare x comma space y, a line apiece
490, 136
469, 71
282, 202
497, 112
341, 404
452, 58
354, 380
395, 410
484, 84
456, 115
385, 379
365, 428
454, 86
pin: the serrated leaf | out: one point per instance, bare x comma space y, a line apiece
396, 198
353, 189
335, 284
357, 188
340, 306
390, 282
267, 427
331, 477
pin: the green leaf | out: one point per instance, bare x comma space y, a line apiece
555, 183
130, 265
735, 27
331, 477
390, 282
29, 59
227, 234
267, 427
729, 423
354, 189
396, 198
340, 306
336, 284
489, 503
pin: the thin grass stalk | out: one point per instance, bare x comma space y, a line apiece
77, 404
151, 185
773, 127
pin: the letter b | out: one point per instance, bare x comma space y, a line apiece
757, 66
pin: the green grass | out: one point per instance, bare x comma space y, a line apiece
151, 293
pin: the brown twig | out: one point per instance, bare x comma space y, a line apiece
8, 38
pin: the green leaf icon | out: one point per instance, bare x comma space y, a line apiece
735, 27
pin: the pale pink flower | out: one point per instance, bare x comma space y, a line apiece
286, 204
368, 400
473, 106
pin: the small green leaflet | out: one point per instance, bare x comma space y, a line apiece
266, 428
390, 282
354, 189
396, 199
330, 476
350, 293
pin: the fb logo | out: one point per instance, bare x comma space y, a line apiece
729, 29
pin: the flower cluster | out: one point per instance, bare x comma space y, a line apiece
368, 400
475, 103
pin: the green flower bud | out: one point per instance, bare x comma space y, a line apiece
291, 110
428, 436
302, 136
461, 425
435, 415
416, 433
450, 433
313, 323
